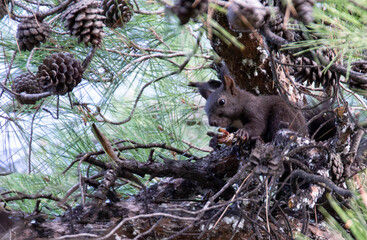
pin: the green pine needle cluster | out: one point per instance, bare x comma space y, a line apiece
168, 110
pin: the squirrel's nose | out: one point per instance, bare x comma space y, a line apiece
213, 123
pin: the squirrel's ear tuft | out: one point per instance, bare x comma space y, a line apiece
229, 84
206, 88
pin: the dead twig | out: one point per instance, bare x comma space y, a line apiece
148, 84
151, 145
151, 229
194, 147
234, 196
8, 71
187, 219
74, 188
23, 196
31, 139
317, 179
80, 178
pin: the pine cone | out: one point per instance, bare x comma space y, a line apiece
59, 73
185, 10
31, 33
117, 12
361, 68
246, 15
276, 24
26, 83
337, 166
3, 8
313, 73
84, 20
267, 160
303, 8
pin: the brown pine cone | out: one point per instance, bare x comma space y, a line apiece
184, 9
26, 83
276, 24
360, 67
59, 73
313, 73
84, 20
117, 12
31, 33
303, 10
246, 15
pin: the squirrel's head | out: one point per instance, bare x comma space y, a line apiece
221, 103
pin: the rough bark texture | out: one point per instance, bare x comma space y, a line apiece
257, 187
250, 66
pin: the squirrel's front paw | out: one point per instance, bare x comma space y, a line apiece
242, 134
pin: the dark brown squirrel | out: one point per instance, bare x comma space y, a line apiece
229, 106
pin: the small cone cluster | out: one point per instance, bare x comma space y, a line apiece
117, 12
186, 9
31, 33
313, 73
26, 83
84, 20
300, 9
360, 68
59, 73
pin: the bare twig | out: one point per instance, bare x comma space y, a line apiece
174, 236
153, 81
29, 61
21, 5
31, 140
81, 181
23, 196
6, 173
78, 236
40, 4
194, 147
8, 72
159, 38
353, 75
159, 12
189, 219
75, 187
234, 196
151, 229
317, 179
89, 58
230, 182
360, 100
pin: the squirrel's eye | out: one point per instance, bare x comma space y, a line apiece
222, 102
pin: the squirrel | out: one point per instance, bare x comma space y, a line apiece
228, 106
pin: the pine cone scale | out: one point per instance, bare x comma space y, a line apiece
26, 83
31, 33
59, 73
117, 13
82, 19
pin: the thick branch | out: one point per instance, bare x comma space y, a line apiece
194, 171
151, 145
317, 179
